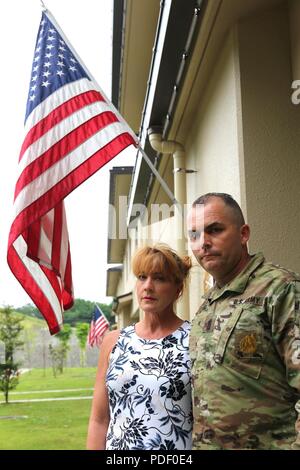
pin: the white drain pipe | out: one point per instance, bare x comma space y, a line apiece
176, 149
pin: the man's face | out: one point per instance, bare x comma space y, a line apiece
218, 244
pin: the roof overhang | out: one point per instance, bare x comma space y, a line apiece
112, 278
119, 186
164, 52
123, 301
134, 29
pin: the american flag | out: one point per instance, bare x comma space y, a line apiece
98, 327
71, 130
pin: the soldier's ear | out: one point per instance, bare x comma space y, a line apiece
245, 234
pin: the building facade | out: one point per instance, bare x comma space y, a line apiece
208, 87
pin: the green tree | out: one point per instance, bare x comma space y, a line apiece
82, 330
59, 352
57, 357
29, 310
10, 330
81, 312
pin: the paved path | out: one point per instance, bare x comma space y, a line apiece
30, 400
23, 371
50, 391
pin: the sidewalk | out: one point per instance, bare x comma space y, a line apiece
31, 400
50, 391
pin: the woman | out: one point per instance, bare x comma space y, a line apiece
142, 397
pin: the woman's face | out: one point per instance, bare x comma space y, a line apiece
155, 292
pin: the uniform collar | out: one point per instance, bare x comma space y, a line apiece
239, 283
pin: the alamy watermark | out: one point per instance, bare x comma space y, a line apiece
145, 221
295, 96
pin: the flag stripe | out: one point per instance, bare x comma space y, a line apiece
64, 246
57, 235
33, 234
60, 130
60, 190
67, 294
35, 283
99, 329
46, 236
57, 98
57, 115
63, 148
68, 164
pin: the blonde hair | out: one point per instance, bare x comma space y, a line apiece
162, 259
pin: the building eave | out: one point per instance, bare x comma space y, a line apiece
119, 185
112, 278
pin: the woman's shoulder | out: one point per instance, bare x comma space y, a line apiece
109, 341
186, 325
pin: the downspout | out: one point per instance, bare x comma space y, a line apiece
176, 149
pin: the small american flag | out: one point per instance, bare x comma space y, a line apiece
71, 131
98, 327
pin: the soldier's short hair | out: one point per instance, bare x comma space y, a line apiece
228, 201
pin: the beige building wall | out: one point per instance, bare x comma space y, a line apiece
271, 137
294, 18
213, 143
124, 316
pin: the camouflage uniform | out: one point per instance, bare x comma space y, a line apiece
245, 352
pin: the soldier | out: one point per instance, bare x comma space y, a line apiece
245, 338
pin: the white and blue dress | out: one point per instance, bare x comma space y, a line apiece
149, 388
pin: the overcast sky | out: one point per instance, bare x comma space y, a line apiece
88, 26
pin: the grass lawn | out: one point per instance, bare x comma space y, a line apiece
52, 424
36, 379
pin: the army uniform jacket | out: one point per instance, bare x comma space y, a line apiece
245, 352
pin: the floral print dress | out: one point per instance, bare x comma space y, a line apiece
149, 387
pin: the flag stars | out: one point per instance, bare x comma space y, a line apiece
54, 66
41, 35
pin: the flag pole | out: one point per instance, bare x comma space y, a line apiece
159, 178
121, 119
44, 8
